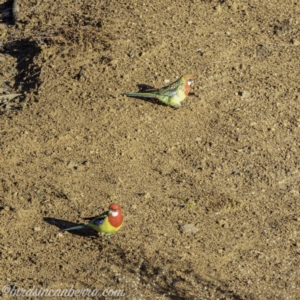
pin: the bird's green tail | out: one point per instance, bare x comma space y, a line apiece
74, 228
144, 95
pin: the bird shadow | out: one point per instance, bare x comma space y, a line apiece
62, 224
145, 88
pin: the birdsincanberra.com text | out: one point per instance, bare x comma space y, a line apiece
12, 290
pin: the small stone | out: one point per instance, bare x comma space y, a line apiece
188, 229
37, 229
59, 235
72, 165
223, 223
245, 94
198, 139
147, 195
294, 192
296, 42
114, 62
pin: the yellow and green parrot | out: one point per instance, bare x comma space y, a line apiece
172, 94
107, 223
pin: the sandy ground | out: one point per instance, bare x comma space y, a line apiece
226, 164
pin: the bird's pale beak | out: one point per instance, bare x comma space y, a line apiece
113, 213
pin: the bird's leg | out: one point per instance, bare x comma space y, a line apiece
108, 240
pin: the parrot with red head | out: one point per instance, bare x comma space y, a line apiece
107, 223
172, 94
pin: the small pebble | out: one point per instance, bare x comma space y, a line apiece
294, 192
147, 195
188, 228
245, 94
223, 223
296, 42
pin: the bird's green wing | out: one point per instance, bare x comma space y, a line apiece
100, 219
170, 90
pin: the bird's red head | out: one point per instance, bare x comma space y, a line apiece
188, 80
114, 206
115, 216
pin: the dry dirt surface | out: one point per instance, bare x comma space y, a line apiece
210, 192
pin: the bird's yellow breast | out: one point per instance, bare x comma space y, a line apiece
105, 228
177, 98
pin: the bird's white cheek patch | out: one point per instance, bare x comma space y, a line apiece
114, 213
